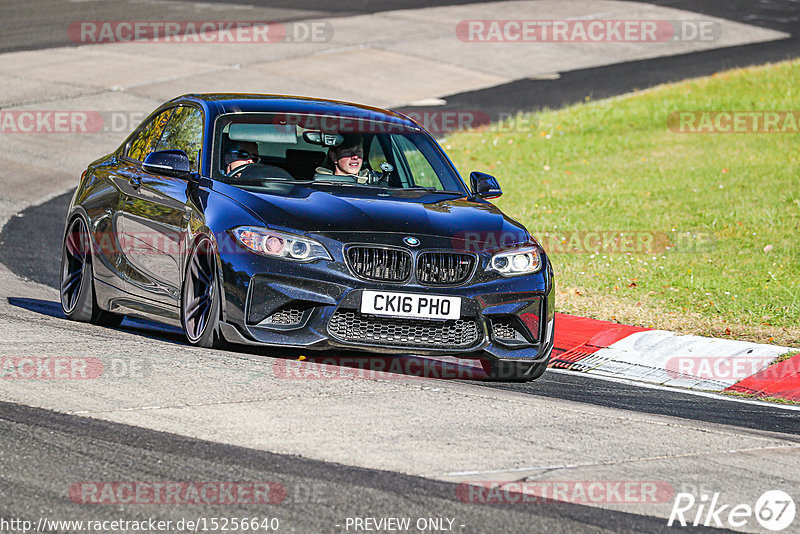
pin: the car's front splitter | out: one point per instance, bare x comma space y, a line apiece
323, 313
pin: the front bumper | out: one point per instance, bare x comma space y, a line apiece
316, 306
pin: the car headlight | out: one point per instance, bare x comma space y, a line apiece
515, 262
279, 244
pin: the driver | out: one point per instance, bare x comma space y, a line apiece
347, 159
239, 153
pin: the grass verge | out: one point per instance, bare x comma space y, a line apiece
765, 398
691, 232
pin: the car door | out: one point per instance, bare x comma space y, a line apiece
156, 214
116, 247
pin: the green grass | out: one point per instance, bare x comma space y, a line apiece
783, 357
717, 199
765, 398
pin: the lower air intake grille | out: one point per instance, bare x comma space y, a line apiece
285, 316
504, 329
356, 327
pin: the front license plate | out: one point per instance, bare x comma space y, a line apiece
410, 305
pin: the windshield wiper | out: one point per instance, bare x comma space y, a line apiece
333, 182
430, 190
371, 186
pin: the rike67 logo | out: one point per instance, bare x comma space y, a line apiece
774, 510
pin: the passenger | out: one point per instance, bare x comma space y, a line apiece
347, 159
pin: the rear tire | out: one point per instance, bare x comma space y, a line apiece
511, 371
77, 279
200, 297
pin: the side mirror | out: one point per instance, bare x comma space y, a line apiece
169, 163
484, 185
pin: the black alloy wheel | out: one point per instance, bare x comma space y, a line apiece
200, 298
77, 279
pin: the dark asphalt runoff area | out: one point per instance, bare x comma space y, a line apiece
42, 451
39, 24
46, 454
603, 82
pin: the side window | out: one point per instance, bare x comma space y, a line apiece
376, 155
184, 131
422, 174
145, 142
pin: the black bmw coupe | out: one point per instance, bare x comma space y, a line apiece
312, 224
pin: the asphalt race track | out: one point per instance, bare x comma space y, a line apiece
319, 495
387, 447
21, 246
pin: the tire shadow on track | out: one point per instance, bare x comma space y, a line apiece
142, 327
297, 363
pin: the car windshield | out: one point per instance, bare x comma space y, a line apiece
255, 150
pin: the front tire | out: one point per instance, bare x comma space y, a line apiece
200, 297
77, 279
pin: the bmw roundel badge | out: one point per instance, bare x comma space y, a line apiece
411, 241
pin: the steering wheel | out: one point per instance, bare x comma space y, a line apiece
238, 170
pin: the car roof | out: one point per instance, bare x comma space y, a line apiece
223, 103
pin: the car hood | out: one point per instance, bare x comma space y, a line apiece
327, 209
